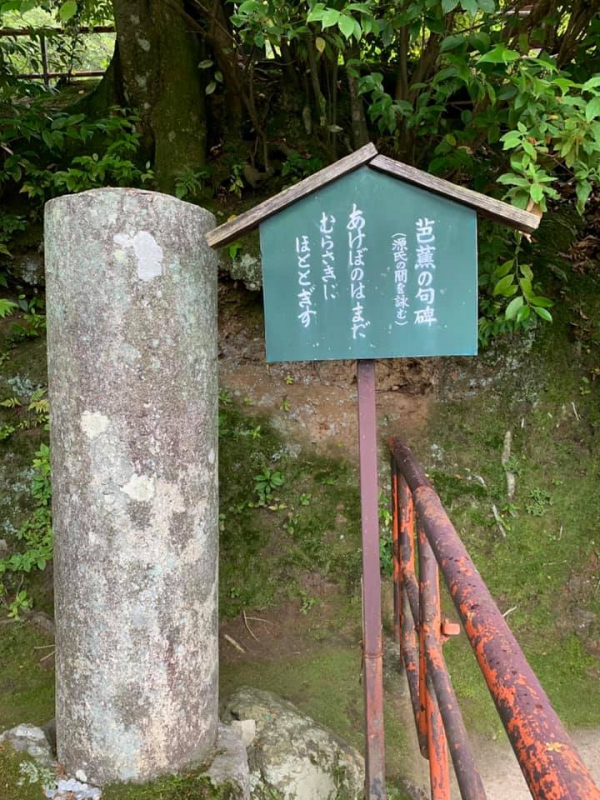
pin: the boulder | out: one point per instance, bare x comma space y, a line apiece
245, 268
292, 757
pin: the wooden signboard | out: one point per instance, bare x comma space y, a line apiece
370, 267
370, 258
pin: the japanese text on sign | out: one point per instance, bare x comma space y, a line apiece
356, 264
425, 266
305, 284
369, 267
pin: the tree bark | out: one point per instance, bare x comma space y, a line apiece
360, 132
159, 59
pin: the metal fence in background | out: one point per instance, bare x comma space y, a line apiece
42, 35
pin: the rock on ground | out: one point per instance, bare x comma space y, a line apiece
293, 757
230, 765
31, 740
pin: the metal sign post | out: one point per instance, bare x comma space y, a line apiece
372, 641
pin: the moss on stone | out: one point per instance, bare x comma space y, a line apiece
193, 786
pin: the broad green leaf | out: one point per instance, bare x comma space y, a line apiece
470, 6
346, 26
449, 5
592, 83
544, 302
68, 10
320, 44
452, 42
316, 13
523, 313
583, 189
500, 55
592, 110
330, 17
513, 180
504, 269
504, 284
525, 285
488, 6
543, 313
211, 87
513, 307
248, 6
206, 64
536, 193
526, 271
564, 84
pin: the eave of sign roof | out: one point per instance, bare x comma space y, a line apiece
367, 155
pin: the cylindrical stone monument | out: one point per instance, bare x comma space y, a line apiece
132, 341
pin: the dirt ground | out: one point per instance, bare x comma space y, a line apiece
314, 402
284, 633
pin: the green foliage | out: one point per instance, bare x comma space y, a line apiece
386, 545
9, 225
34, 414
37, 140
463, 88
36, 159
297, 167
265, 483
511, 298
31, 322
6, 307
278, 514
190, 183
34, 535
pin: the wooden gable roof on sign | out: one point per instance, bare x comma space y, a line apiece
489, 207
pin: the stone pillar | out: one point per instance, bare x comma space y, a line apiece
132, 340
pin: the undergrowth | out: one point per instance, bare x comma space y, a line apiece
280, 512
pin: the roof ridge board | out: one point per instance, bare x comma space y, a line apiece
496, 210
368, 155
232, 230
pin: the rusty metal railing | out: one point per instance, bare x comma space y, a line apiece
552, 767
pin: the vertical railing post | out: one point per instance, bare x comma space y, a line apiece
396, 566
44, 54
430, 625
409, 608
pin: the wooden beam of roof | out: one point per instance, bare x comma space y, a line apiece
486, 206
232, 230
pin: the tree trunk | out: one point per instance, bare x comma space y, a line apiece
159, 58
360, 132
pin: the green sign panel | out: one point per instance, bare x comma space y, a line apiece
370, 267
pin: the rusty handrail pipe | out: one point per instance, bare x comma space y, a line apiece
550, 763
